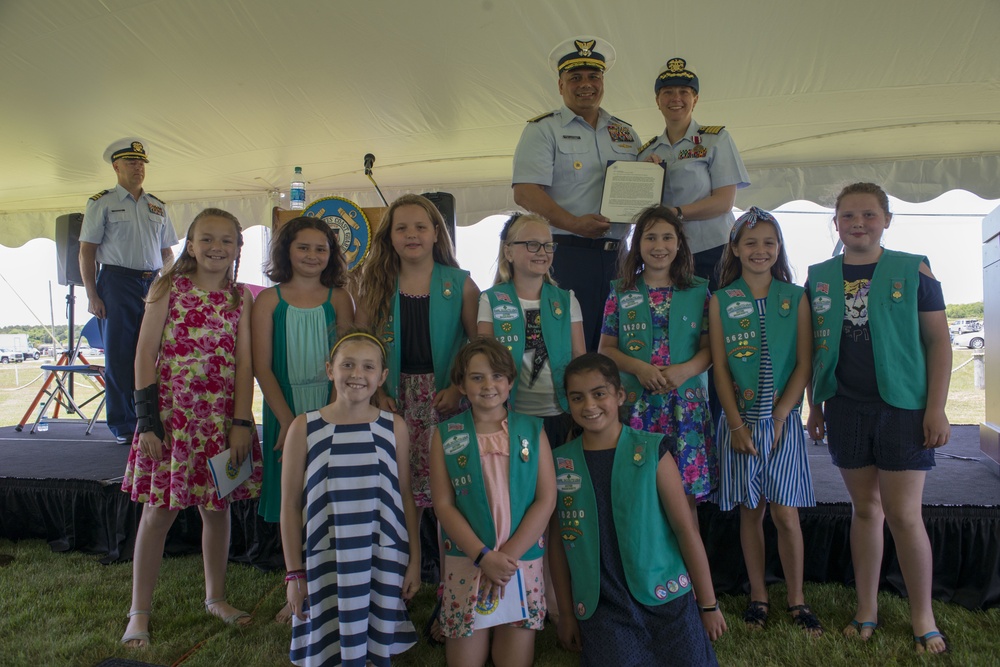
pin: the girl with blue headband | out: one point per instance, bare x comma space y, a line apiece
759, 330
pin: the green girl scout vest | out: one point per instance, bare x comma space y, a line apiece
900, 357
654, 569
447, 332
635, 333
509, 327
741, 328
461, 457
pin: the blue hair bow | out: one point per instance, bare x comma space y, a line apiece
750, 219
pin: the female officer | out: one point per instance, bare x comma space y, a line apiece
704, 168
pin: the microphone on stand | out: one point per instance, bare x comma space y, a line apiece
369, 163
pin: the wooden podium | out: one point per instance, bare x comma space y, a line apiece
280, 216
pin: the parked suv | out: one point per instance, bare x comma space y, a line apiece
965, 326
10, 356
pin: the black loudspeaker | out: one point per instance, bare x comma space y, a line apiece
445, 203
68, 248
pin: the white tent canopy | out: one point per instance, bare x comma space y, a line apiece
230, 95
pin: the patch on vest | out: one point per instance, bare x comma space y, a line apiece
505, 312
456, 443
568, 482
821, 304
683, 581
631, 299
739, 309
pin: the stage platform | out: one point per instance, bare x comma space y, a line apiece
64, 487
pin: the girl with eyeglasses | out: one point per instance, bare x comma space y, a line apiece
538, 322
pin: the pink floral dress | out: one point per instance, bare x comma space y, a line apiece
197, 374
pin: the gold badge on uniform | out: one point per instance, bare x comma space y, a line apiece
567, 501
463, 460
506, 326
745, 323
524, 450
447, 288
631, 314
578, 165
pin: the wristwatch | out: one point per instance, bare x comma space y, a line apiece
680, 213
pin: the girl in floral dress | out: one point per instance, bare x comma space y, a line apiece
494, 488
195, 377
655, 330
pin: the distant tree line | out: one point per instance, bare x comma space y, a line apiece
955, 311
38, 336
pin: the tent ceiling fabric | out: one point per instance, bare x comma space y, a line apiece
230, 95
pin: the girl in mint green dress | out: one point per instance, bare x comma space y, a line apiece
295, 324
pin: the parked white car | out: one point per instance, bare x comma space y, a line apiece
974, 339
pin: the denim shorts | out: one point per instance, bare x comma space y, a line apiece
863, 434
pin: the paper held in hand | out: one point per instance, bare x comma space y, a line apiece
500, 611
226, 475
630, 187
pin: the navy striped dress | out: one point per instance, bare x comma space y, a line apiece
355, 547
781, 476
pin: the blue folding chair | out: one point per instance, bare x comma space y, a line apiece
65, 372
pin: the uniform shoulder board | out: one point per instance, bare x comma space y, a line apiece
541, 117
152, 196
648, 144
99, 195
711, 129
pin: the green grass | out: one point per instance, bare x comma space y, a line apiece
67, 609
20, 382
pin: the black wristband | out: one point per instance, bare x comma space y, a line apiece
482, 553
710, 608
147, 411
243, 422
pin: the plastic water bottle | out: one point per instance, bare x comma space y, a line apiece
297, 195
43, 425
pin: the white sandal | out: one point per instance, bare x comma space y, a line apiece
142, 637
232, 619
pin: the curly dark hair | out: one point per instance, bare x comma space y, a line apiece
279, 264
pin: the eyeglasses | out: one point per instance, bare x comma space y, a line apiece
535, 246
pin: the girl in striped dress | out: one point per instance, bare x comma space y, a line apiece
760, 332
348, 520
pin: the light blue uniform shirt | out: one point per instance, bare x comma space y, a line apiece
129, 233
691, 177
567, 156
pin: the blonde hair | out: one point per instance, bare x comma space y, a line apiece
381, 269
510, 232
186, 263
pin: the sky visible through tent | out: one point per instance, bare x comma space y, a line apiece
948, 230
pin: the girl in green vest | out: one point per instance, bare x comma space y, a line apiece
656, 331
423, 306
880, 381
628, 559
539, 323
414, 296
295, 324
494, 491
759, 326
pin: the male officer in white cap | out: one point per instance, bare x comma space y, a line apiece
128, 233
559, 168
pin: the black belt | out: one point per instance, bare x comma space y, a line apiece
135, 273
609, 245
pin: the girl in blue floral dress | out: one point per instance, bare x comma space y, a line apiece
656, 330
